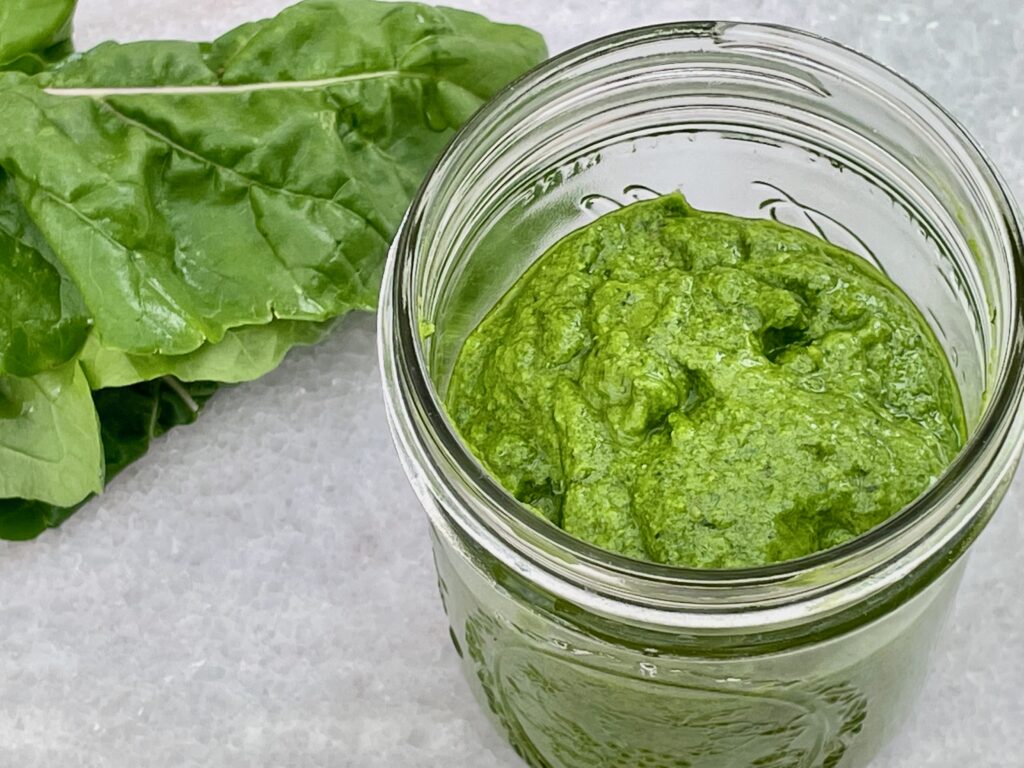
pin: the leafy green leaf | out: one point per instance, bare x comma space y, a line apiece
131, 418
21, 520
242, 355
33, 63
49, 438
190, 189
42, 319
202, 208
33, 29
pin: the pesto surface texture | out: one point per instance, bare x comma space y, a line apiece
703, 390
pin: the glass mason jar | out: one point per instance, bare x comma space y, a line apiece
591, 660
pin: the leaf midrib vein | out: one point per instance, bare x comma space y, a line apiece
219, 89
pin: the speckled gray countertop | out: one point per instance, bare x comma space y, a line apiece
259, 590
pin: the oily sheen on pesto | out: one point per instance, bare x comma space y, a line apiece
703, 390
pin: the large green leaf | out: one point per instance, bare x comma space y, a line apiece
131, 418
203, 208
190, 189
33, 30
49, 438
242, 355
42, 319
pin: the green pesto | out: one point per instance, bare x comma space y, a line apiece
704, 390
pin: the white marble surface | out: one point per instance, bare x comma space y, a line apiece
259, 592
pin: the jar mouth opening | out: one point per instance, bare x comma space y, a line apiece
974, 466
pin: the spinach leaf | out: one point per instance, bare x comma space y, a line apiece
190, 189
49, 438
33, 32
242, 355
43, 323
42, 318
176, 212
33, 63
131, 418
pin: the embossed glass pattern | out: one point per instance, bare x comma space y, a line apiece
587, 659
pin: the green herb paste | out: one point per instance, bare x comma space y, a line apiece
704, 390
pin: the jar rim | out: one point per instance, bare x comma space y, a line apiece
979, 465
